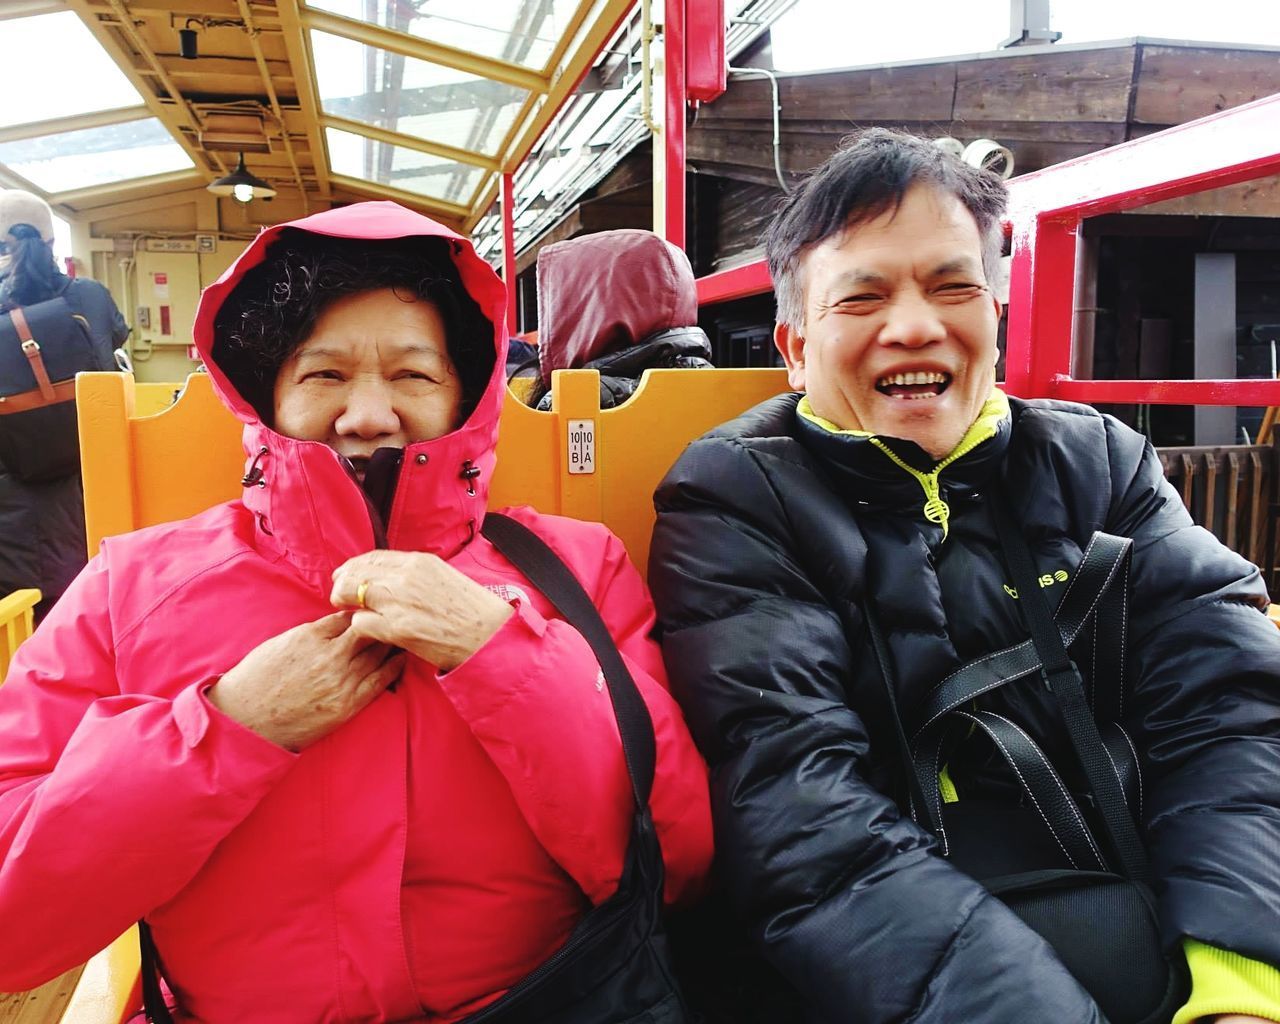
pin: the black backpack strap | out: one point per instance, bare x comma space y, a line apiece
1045, 790
530, 554
1085, 596
154, 1007
1063, 679
918, 789
1043, 786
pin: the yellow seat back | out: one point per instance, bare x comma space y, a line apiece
16, 622
142, 469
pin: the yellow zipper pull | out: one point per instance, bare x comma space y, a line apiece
935, 509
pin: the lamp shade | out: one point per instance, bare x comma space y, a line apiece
241, 185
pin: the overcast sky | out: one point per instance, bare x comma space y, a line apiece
818, 34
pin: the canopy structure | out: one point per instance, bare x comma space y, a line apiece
427, 102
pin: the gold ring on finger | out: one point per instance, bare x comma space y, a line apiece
361, 591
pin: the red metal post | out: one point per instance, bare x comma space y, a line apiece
673, 43
507, 203
1041, 299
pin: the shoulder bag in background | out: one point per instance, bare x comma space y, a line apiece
42, 348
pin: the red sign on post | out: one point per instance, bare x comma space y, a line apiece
705, 64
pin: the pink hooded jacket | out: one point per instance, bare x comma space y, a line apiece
416, 862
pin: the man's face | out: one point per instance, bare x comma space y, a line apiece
899, 334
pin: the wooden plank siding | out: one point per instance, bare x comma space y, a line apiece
1090, 85
1229, 491
1176, 84
1046, 106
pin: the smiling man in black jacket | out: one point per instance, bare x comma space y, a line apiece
874, 489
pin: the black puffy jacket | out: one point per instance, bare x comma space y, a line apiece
772, 533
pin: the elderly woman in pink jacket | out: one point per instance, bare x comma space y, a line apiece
345, 760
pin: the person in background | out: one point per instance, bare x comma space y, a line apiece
620, 302
789, 539
341, 755
42, 522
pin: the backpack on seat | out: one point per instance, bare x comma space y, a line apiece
42, 348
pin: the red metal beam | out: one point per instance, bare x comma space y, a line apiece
1221, 149
1259, 392
749, 279
507, 203
1045, 210
673, 42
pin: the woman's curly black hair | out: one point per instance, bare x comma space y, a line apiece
275, 306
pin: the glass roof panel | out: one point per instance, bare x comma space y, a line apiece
95, 156
413, 96
398, 167
520, 31
34, 48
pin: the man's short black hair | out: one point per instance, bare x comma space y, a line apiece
866, 177
274, 307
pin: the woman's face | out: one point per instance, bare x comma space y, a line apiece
373, 373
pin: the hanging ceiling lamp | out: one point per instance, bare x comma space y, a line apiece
241, 185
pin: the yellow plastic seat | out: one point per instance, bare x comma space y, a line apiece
141, 469
17, 619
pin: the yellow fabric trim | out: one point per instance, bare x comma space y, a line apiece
1226, 982
994, 410
946, 787
805, 408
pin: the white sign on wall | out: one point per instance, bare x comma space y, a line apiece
582, 446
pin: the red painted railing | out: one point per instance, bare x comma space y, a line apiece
1045, 211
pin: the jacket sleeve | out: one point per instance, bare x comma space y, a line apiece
1204, 674
109, 802
535, 698
843, 894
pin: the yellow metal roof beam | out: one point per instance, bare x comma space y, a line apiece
30, 8
195, 9
399, 195
487, 191
164, 111
116, 206
11, 179
261, 60
74, 123
110, 190
424, 49
461, 156
298, 49
606, 22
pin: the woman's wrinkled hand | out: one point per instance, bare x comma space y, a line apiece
298, 687
419, 602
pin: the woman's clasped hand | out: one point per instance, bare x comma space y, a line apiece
296, 688
416, 601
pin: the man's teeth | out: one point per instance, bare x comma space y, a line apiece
914, 377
